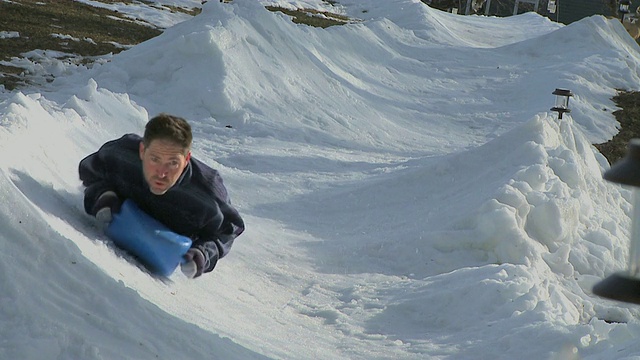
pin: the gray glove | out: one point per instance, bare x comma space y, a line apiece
107, 204
194, 263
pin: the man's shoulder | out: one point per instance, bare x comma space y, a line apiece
202, 168
203, 174
209, 178
126, 141
123, 150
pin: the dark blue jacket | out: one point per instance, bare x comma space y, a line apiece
197, 206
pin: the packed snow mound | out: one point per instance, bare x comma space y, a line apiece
534, 220
404, 197
233, 50
452, 30
537, 201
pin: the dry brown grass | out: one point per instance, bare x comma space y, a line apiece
629, 118
98, 31
312, 17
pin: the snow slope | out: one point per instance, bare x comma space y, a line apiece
406, 190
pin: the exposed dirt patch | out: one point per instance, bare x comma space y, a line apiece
629, 118
312, 17
66, 26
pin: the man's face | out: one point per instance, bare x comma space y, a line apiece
162, 164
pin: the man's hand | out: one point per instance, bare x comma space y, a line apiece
107, 204
194, 263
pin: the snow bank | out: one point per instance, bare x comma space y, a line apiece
404, 198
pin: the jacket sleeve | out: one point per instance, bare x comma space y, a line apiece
225, 224
96, 172
216, 240
93, 175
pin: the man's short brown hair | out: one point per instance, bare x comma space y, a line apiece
168, 127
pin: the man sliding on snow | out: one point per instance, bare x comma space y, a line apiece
158, 173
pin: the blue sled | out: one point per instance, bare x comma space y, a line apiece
159, 249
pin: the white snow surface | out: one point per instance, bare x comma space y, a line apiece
407, 192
